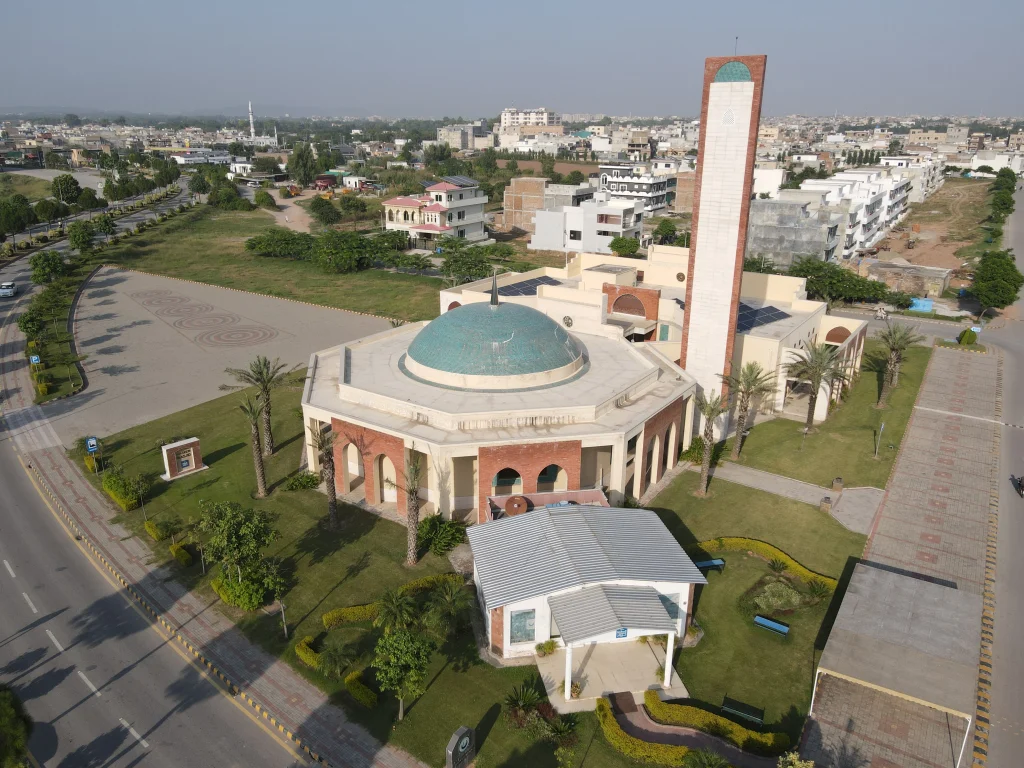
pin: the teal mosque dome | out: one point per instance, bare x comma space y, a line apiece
494, 345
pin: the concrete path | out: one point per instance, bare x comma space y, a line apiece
266, 682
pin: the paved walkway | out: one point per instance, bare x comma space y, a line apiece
855, 508
299, 706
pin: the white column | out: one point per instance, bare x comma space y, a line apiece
668, 658
687, 436
312, 458
568, 672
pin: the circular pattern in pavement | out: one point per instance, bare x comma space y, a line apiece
205, 322
165, 301
185, 310
149, 294
238, 336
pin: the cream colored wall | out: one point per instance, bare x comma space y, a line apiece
594, 281
765, 352
595, 466
756, 285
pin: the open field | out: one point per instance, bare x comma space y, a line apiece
20, 184
844, 445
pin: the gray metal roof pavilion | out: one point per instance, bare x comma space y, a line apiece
592, 611
551, 550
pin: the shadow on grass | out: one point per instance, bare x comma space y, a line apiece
833, 607
875, 362
214, 456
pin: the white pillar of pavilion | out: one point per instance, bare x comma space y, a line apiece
568, 672
668, 658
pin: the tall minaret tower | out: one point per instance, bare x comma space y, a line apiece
252, 125
729, 117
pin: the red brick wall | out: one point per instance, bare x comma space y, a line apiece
756, 65
657, 426
689, 612
528, 459
498, 631
370, 444
172, 459
649, 297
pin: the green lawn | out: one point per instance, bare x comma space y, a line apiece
810, 536
21, 184
208, 246
738, 660
844, 445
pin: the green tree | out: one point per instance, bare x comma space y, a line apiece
89, 200
105, 226
704, 758
15, 729
997, 281
665, 232
792, 760
50, 210
252, 412
512, 166
56, 161
302, 165
352, 205
15, 214
436, 154
322, 441
488, 162
199, 185
268, 165
547, 165
447, 607
897, 338
396, 610
341, 252
282, 243
463, 264
711, 406
401, 660
574, 177
31, 322
760, 264
81, 235
236, 536
818, 365
71, 120
264, 199
265, 375
237, 148
829, 282
751, 383
323, 211
47, 266
624, 246
65, 188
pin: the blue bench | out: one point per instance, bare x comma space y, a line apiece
746, 711
716, 563
771, 626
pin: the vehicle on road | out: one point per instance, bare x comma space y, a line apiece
253, 184
8, 290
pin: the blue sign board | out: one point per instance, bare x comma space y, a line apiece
91, 444
34, 359
976, 328
620, 633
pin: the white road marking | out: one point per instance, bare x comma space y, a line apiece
965, 416
135, 733
54, 640
29, 601
88, 682
9, 569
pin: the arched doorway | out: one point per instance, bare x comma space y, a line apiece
650, 470
453, 305
672, 447
384, 474
552, 478
350, 474
666, 450
628, 304
837, 335
506, 483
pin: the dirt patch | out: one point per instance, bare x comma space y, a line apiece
562, 167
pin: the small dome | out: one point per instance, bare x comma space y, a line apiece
483, 346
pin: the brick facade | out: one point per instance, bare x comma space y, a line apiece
528, 459
649, 297
756, 65
523, 198
370, 445
174, 471
659, 426
498, 631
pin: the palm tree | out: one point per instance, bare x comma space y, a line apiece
711, 407
446, 607
752, 381
414, 471
252, 410
323, 444
818, 364
395, 610
334, 660
896, 337
704, 758
265, 376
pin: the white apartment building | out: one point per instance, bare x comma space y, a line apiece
453, 207
512, 118
927, 174
635, 182
588, 227
203, 156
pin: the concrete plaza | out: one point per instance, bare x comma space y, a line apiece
156, 345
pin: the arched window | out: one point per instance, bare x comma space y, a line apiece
506, 482
628, 304
552, 478
391, 215
837, 335
453, 305
405, 215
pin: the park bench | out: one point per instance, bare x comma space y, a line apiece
772, 626
715, 563
745, 711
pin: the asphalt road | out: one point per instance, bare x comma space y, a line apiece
105, 687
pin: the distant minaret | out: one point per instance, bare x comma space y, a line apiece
252, 125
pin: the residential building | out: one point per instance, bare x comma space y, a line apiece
976, 141
998, 160
927, 173
768, 181
900, 275
473, 135
635, 181
683, 202
1015, 142
203, 156
781, 232
957, 134
512, 118
525, 195
453, 207
589, 226
928, 138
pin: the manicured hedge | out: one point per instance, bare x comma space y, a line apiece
368, 612
156, 532
117, 488
770, 744
768, 552
181, 554
244, 595
359, 691
632, 747
306, 654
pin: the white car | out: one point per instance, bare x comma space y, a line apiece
8, 290
253, 184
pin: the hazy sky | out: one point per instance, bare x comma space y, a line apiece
402, 58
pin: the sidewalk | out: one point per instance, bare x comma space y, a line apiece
854, 509
266, 683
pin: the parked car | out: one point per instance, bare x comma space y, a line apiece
7, 290
253, 184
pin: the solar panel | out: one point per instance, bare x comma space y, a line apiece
750, 317
461, 181
526, 287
